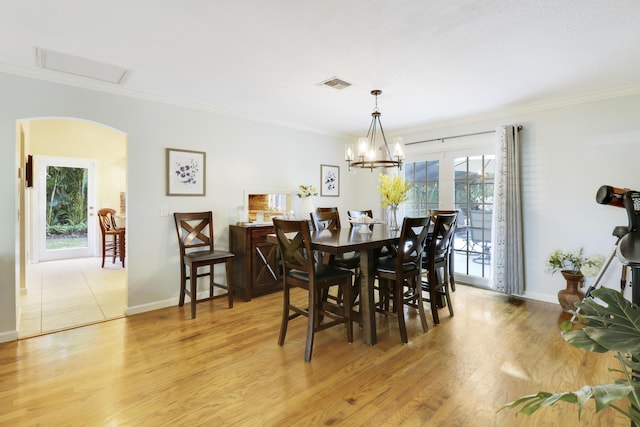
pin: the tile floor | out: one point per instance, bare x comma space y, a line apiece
69, 293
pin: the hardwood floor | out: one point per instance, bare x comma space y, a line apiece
225, 368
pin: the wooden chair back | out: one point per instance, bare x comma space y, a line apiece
328, 220
411, 245
106, 217
294, 239
195, 231
442, 236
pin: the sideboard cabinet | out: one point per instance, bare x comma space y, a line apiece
256, 269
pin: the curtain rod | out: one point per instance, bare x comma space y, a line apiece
519, 127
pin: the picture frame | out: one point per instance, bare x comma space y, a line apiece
329, 181
186, 172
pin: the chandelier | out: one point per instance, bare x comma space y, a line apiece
368, 157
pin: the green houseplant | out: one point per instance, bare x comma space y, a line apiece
608, 322
574, 267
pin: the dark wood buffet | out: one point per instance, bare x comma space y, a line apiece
256, 269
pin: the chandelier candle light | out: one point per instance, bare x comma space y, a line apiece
367, 149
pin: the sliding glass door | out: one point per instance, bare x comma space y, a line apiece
459, 179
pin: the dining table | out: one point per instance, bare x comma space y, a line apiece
368, 241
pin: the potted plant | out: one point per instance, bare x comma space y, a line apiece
574, 267
393, 190
606, 322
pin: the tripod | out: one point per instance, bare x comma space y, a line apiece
619, 232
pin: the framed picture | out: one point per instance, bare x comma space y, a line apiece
329, 180
186, 172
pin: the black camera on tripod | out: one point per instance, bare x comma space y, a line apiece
622, 198
628, 247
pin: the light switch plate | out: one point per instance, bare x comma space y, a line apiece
164, 210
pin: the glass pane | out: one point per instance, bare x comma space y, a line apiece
66, 207
423, 177
474, 199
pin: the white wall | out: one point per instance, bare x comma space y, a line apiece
569, 152
241, 154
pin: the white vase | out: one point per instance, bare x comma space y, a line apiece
305, 208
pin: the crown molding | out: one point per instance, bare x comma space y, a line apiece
114, 89
96, 85
528, 108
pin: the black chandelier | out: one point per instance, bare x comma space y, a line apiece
367, 157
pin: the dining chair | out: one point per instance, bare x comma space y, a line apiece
404, 269
195, 237
450, 268
330, 220
301, 270
113, 237
436, 259
384, 252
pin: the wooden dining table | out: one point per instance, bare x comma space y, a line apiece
350, 239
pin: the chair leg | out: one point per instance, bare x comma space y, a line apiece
115, 245
122, 243
423, 314
229, 269
398, 307
433, 296
194, 290
348, 309
285, 314
312, 320
183, 283
452, 280
447, 295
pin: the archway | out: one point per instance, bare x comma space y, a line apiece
71, 304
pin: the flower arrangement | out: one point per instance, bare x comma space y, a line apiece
393, 189
575, 262
307, 191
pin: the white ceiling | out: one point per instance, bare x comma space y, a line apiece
435, 60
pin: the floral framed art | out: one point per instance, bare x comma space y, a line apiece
186, 172
329, 180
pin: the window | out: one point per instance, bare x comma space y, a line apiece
424, 178
460, 178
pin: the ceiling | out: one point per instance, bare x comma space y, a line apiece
434, 60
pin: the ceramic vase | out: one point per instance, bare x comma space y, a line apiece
571, 294
305, 208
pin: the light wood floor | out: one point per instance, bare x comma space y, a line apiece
225, 368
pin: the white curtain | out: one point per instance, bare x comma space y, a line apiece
507, 253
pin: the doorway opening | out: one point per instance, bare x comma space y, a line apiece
78, 168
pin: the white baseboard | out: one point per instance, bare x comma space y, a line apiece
540, 297
9, 336
143, 308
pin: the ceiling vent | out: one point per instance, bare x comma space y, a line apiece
79, 66
336, 83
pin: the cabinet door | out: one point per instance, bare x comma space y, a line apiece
266, 269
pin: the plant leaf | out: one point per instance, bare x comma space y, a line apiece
609, 320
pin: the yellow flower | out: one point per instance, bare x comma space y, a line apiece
393, 189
